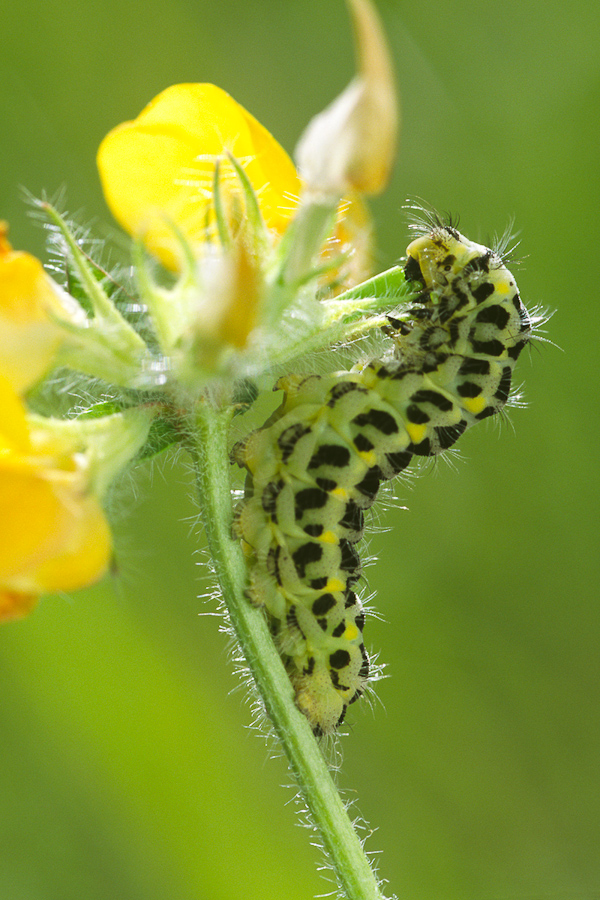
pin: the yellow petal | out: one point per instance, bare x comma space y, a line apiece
14, 605
229, 310
53, 534
51, 539
14, 433
84, 557
28, 337
352, 242
32, 521
5, 246
159, 168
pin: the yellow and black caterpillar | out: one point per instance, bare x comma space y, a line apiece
318, 462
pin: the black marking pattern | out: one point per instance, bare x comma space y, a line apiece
319, 461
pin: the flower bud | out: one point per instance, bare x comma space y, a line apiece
350, 146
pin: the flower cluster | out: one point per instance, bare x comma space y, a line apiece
242, 263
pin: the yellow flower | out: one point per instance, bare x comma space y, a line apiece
28, 298
158, 170
53, 534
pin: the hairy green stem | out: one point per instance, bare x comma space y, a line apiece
340, 840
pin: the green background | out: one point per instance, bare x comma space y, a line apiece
127, 768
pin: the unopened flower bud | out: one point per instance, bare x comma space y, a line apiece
350, 146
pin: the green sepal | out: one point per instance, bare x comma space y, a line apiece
98, 298
76, 288
245, 393
162, 435
254, 219
109, 443
224, 235
163, 431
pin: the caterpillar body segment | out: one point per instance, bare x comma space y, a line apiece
317, 464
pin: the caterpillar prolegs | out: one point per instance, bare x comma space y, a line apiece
318, 462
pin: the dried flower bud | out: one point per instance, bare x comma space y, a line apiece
350, 146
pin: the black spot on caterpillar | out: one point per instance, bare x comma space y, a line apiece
318, 462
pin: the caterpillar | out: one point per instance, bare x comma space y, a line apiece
318, 462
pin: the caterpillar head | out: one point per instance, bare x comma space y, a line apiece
441, 256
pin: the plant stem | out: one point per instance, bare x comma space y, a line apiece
340, 840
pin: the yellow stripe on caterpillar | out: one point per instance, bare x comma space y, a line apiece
475, 405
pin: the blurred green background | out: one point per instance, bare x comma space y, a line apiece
127, 769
